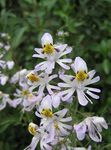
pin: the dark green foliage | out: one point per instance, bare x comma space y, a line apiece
89, 26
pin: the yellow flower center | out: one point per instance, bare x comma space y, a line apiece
47, 113
48, 49
81, 75
32, 128
56, 125
33, 77
25, 93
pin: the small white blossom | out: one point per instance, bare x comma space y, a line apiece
42, 81
79, 83
52, 54
54, 123
6, 99
10, 64
92, 125
3, 79
27, 98
39, 135
20, 77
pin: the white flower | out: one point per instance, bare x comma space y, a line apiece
79, 83
54, 123
6, 99
92, 125
82, 148
52, 54
45, 108
39, 136
3, 79
2, 64
42, 81
27, 98
20, 77
10, 64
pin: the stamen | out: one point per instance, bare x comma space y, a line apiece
81, 75
33, 77
32, 128
56, 125
25, 93
48, 49
47, 113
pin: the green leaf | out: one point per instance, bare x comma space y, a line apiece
106, 66
18, 37
7, 122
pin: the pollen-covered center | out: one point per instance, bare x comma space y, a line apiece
48, 49
47, 113
25, 93
33, 77
56, 125
81, 75
32, 128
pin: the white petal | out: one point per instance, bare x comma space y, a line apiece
67, 51
66, 126
92, 95
66, 67
55, 101
3, 79
33, 144
93, 89
14, 103
66, 119
80, 130
46, 39
101, 121
66, 78
94, 80
91, 73
38, 50
60, 47
69, 95
38, 55
79, 64
46, 103
94, 134
81, 98
62, 112
10, 64
3, 104
66, 60
52, 77
64, 85
63, 131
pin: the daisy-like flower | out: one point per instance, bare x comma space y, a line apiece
80, 83
54, 123
27, 98
42, 81
52, 54
39, 135
6, 99
92, 125
20, 77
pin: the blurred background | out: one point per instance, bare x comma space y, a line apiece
83, 24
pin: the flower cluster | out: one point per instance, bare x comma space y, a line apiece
47, 88
4, 48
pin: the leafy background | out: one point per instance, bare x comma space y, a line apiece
88, 24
